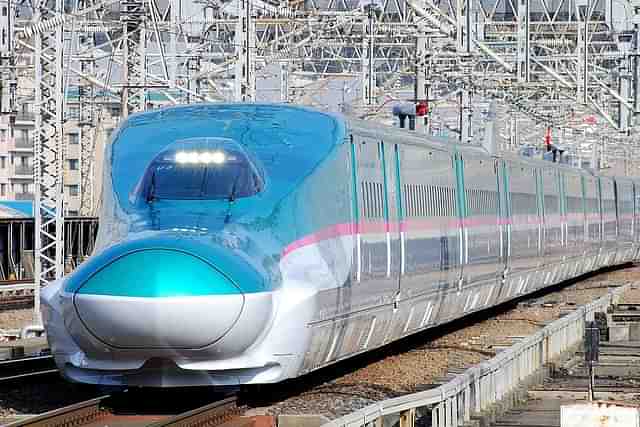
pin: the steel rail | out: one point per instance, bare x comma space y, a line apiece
90, 411
76, 415
12, 370
212, 414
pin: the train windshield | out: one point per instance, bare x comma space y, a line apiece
202, 168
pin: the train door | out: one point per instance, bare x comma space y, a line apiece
593, 220
504, 221
524, 214
540, 222
430, 223
574, 218
553, 235
377, 262
389, 157
625, 216
609, 220
481, 234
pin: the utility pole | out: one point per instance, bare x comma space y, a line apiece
87, 98
464, 45
421, 95
8, 80
524, 50
175, 6
513, 130
132, 14
368, 57
284, 81
636, 62
585, 55
48, 147
245, 41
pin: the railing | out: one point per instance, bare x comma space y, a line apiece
23, 143
478, 388
25, 116
23, 170
16, 258
23, 196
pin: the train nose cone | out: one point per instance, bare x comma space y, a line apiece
158, 298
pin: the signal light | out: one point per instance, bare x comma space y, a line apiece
422, 108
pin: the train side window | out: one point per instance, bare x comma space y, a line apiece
445, 201
370, 201
365, 199
374, 199
381, 200
416, 209
433, 197
376, 187
452, 201
363, 196
425, 201
378, 200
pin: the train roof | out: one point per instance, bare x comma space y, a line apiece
287, 141
404, 136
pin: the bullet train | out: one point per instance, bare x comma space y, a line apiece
249, 243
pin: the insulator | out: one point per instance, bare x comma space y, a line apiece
554, 43
43, 26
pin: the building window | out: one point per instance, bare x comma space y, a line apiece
74, 138
72, 213
25, 188
3, 190
73, 190
74, 112
72, 164
3, 162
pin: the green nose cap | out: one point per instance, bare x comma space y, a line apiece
158, 273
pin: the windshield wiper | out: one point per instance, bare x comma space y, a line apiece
232, 198
152, 189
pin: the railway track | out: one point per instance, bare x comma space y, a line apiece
106, 411
354, 381
27, 369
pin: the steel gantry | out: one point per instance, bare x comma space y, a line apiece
47, 32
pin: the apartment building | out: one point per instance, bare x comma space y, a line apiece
17, 155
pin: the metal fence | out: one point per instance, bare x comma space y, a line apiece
482, 386
17, 244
